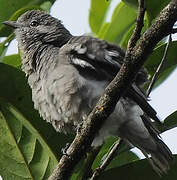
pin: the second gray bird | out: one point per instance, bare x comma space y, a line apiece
68, 74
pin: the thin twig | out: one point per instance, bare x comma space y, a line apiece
159, 68
139, 25
107, 160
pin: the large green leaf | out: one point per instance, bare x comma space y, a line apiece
21, 122
24, 153
118, 25
139, 170
8, 11
98, 11
156, 57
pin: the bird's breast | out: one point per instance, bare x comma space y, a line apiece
64, 98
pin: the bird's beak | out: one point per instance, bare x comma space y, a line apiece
12, 24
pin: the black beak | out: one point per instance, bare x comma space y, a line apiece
12, 24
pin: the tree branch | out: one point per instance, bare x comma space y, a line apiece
132, 43
139, 25
161, 27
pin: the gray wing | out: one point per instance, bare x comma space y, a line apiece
99, 60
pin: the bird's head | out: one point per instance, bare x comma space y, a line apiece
39, 27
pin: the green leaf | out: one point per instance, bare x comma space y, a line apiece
4, 45
155, 58
122, 19
24, 122
170, 122
46, 6
98, 11
124, 156
11, 10
3, 49
103, 30
139, 170
132, 3
13, 60
127, 35
153, 7
105, 148
164, 75
122, 159
26, 152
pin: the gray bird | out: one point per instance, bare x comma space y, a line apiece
68, 74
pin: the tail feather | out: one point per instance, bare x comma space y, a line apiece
161, 156
160, 159
142, 134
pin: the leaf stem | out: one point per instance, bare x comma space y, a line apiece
159, 68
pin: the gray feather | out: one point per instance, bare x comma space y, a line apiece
68, 75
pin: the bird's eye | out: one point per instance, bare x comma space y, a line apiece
34, 23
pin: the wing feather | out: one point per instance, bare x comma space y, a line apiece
100, 60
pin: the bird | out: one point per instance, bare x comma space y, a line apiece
68, 74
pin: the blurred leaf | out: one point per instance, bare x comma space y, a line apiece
132, 3
11, 10
3, 50
103, 30
153, 8
98, 11
14, 90
139, 170
4, 45
13, 60
127, 35
118, 25
164, 75
46, 6
155, 58
105, 148
122, 159
170, 122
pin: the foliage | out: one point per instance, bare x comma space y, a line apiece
29, 147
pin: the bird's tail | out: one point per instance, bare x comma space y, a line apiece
162, 156
159, 159
146, 137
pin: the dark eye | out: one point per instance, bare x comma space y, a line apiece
34, 23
